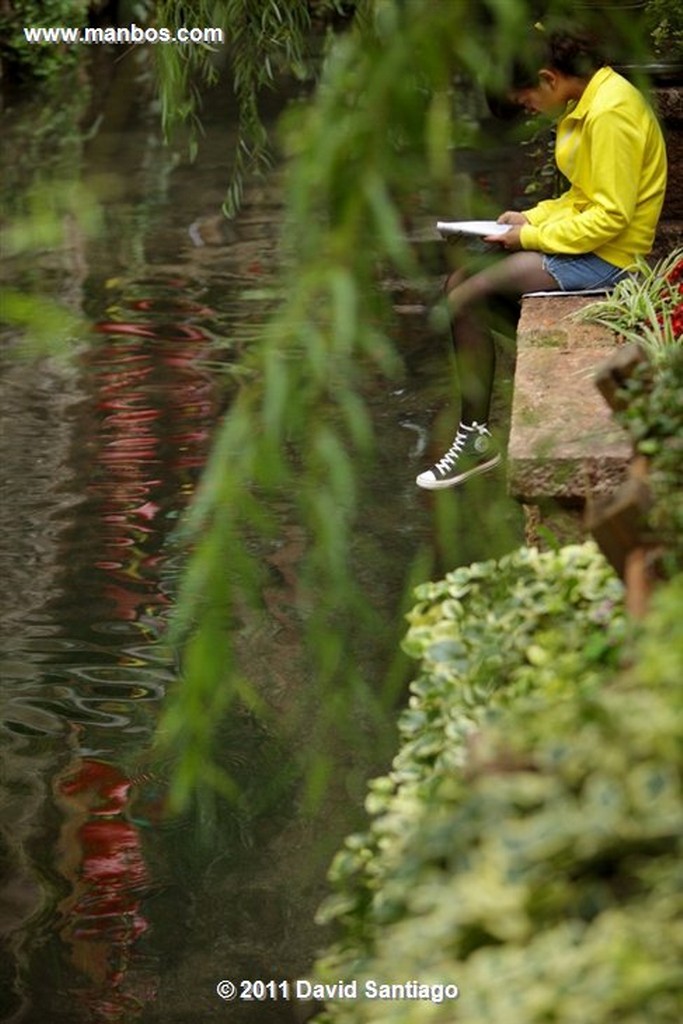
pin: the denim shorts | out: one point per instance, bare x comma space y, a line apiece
578, 273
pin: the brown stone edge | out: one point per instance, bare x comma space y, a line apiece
564, 445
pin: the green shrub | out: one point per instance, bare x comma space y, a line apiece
652, 415
528, 848
645, 308
664, 19
39, 61
485, 634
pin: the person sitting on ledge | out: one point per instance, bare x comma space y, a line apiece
610, 148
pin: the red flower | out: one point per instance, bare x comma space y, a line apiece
676, 273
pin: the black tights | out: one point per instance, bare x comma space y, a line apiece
475, 354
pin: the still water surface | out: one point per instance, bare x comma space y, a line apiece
111, 911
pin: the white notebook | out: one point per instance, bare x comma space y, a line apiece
471, 227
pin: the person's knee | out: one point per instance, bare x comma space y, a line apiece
454, 280
467, 293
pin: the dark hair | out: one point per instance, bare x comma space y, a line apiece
576, 52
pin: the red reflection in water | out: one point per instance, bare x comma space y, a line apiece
144, 439
156, 409
179, 332
101, 919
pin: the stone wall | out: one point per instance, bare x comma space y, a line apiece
564, 448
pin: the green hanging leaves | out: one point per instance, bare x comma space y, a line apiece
299, 428
262, 38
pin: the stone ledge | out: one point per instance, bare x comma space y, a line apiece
564, 444
547, 321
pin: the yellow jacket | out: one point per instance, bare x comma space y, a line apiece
610, 148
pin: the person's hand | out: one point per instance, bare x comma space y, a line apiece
510, 240
512, 217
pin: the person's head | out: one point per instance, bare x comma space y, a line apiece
556, 67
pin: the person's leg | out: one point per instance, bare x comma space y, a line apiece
475, 355
473, 450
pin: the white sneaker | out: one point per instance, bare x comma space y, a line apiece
473, 451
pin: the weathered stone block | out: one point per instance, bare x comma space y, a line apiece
564, 444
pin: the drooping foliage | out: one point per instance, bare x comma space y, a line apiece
388, 113
264, 39
300, 427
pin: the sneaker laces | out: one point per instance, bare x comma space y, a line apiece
446, 461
